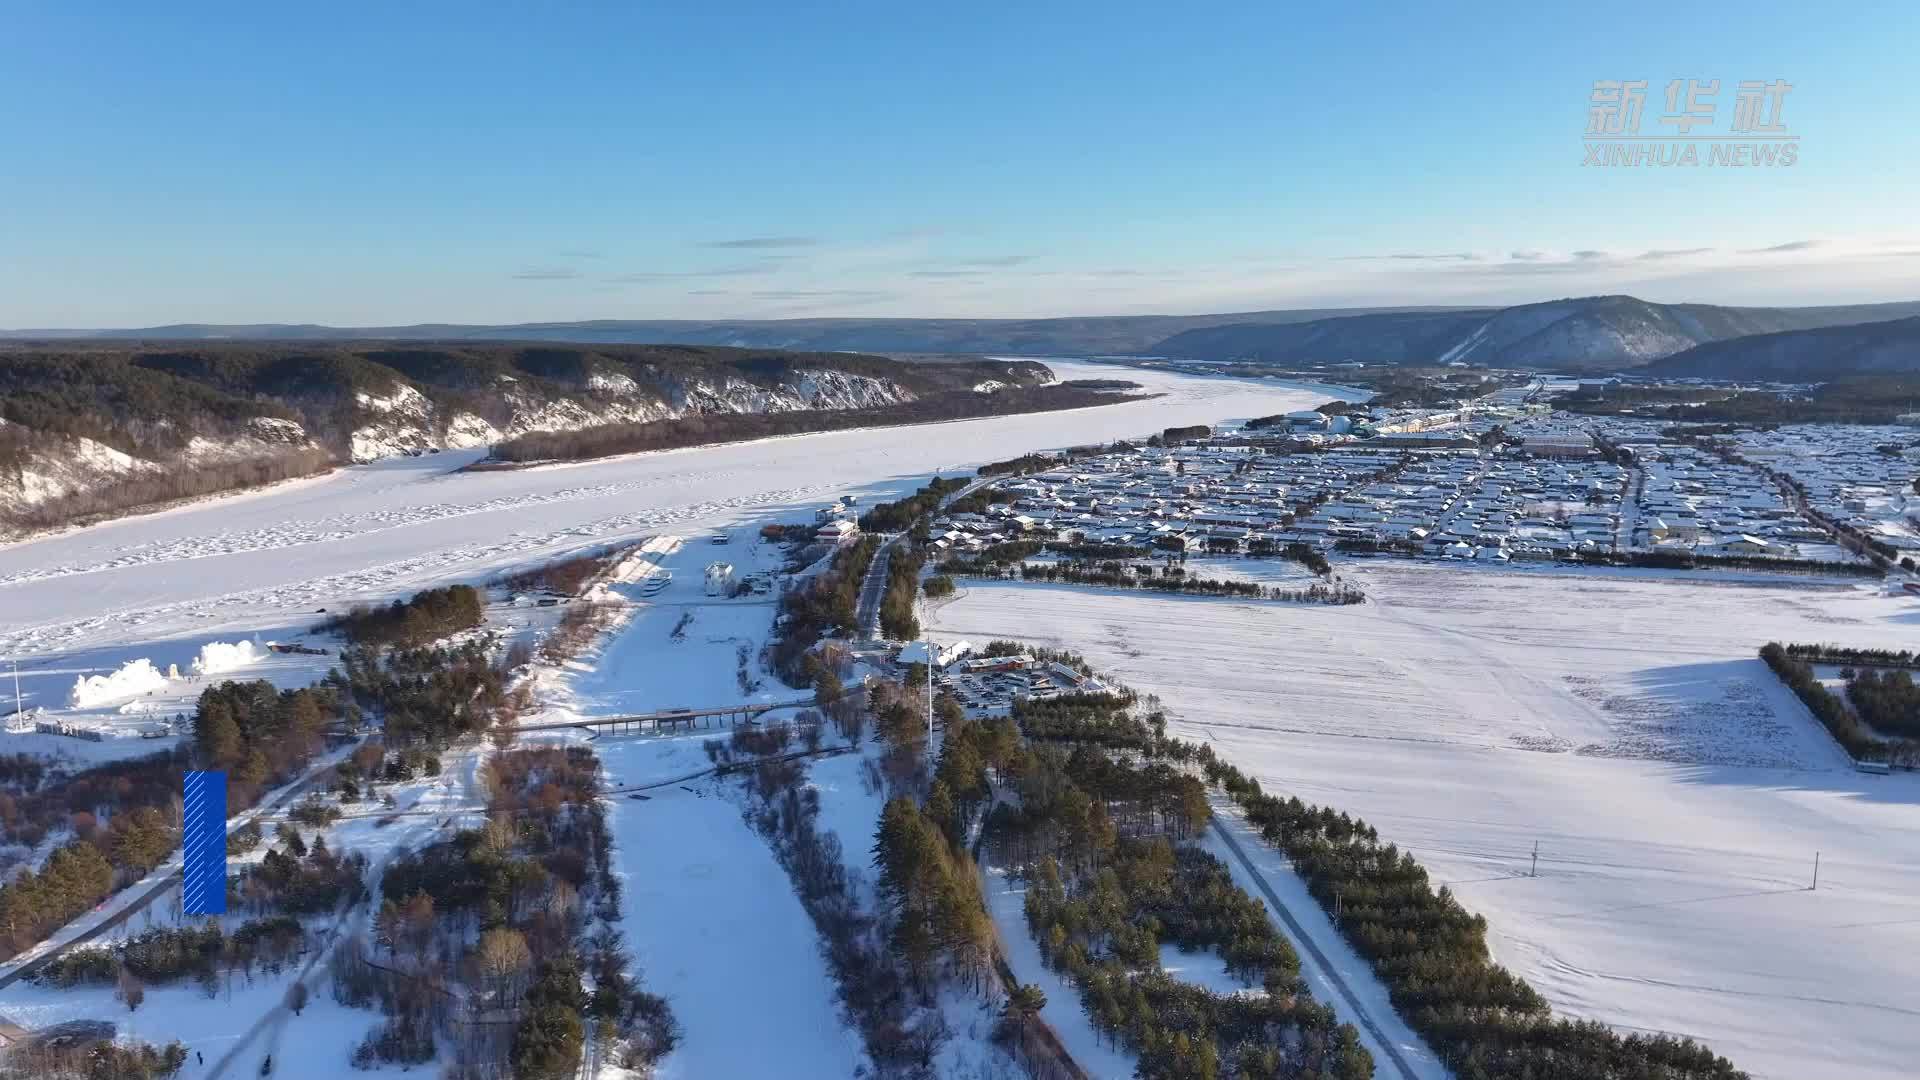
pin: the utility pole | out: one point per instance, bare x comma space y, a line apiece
1816, 873
18, 710
1534, 870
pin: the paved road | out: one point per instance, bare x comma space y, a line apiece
873, 588
1360, 1013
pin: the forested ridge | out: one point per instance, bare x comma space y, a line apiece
137, 399
93, 428
674, 433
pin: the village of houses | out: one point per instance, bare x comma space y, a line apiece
1507, 479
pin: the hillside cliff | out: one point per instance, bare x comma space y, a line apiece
93, 428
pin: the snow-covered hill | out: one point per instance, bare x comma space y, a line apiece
1616, 332
408, 421
92, 429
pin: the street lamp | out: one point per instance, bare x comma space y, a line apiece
931, 651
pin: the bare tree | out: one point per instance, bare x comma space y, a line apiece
130, 991
504, 958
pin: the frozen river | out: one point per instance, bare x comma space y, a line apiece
266, 561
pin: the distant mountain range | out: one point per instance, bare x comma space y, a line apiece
1100, 335
1877, 348
1595, 333
1589, 333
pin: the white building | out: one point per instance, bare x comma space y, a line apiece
1571, 444
837, 532
916, 652
719, 578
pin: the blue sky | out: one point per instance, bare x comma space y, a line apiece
373, 164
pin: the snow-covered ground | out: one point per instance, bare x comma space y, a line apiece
1618, 718
159, 587
376, 531
716, 928
710, 914
118, 688
711, 919
1006, 900
682, 648
1677, 792
241, 1018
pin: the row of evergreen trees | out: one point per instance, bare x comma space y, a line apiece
1839, 654
1888, 700
1104, 824
1823, 704
1431, 954
827, 603
902, 515
425, 617
937, 915
428, 696
504, 909
260, 735
1103, 933
164, 955
125, 816
82, 872
1122, 576
897, 618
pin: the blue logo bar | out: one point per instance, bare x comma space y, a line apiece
204, 840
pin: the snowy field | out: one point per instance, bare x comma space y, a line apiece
683, 648
1622, 721
717, 929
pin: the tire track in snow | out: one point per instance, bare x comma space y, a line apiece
357, 584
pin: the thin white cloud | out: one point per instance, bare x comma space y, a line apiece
547, 273
1416, 256
757, 243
